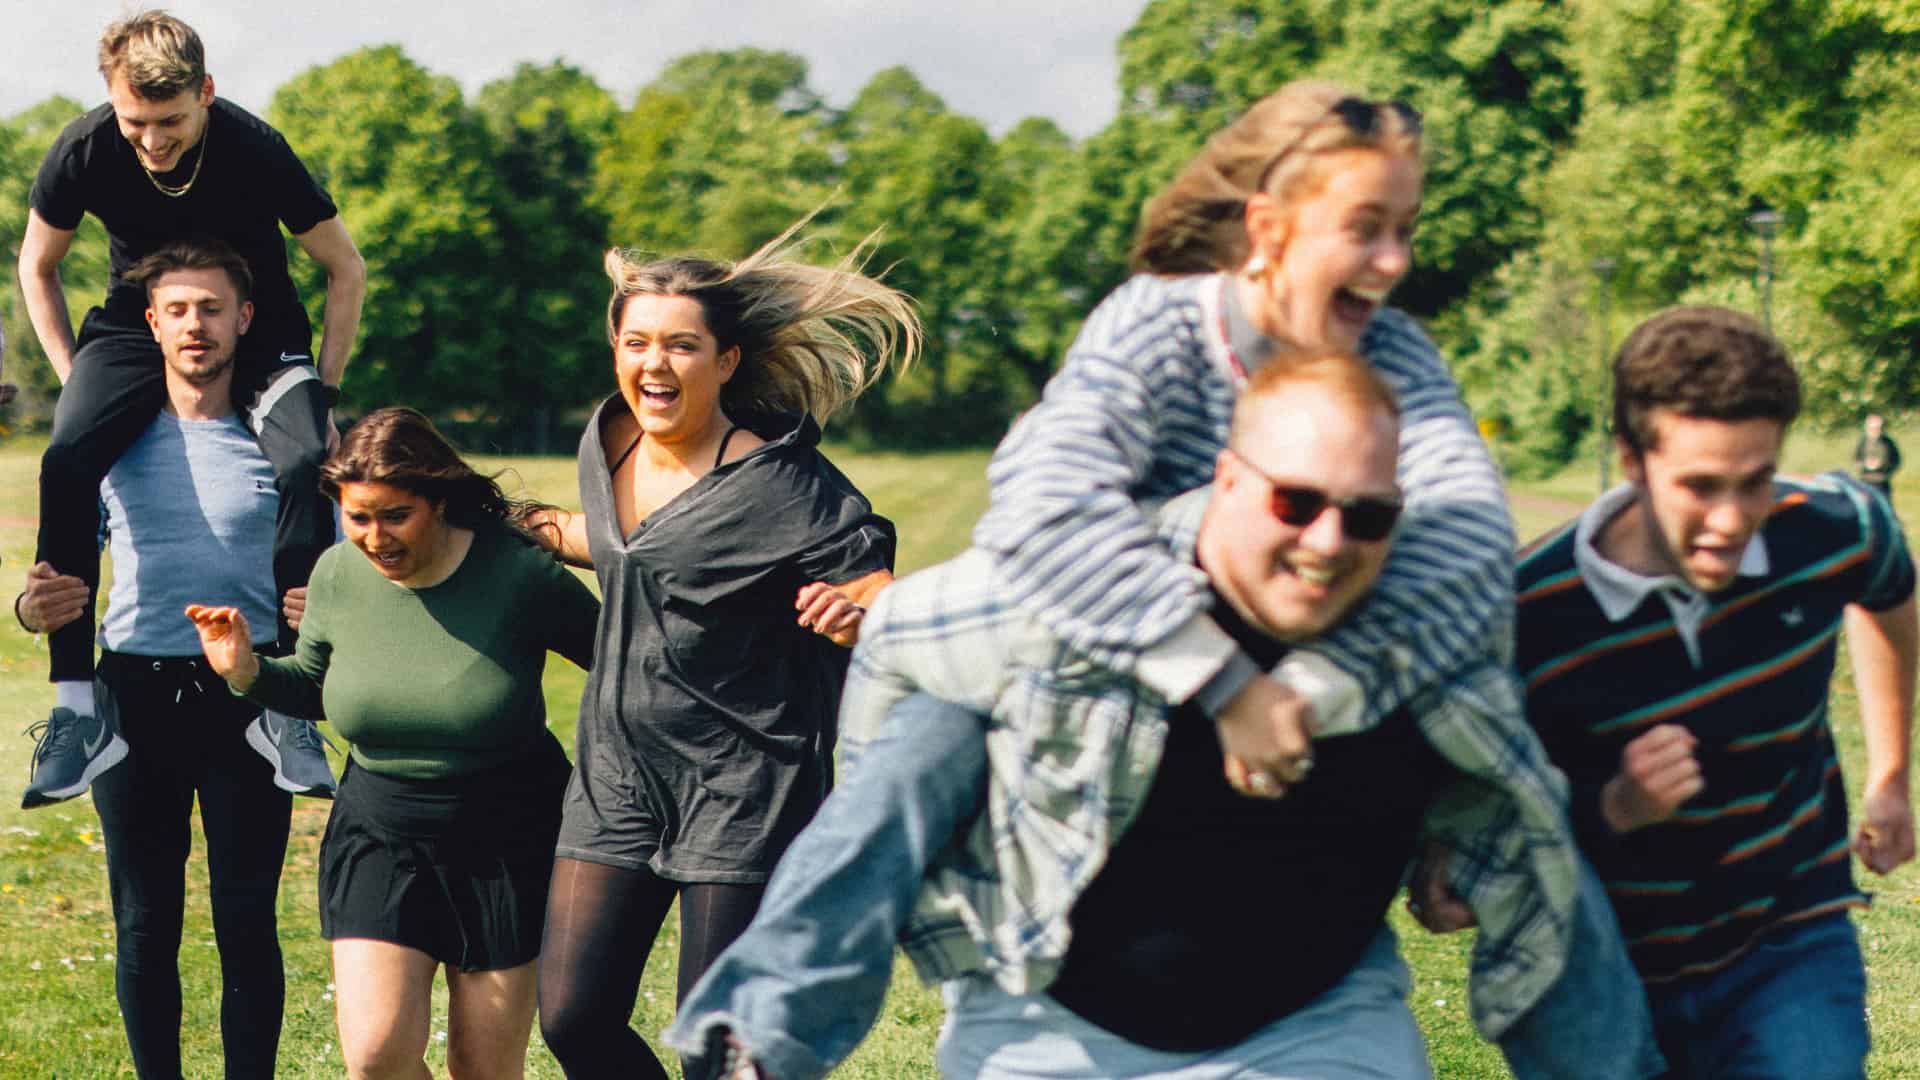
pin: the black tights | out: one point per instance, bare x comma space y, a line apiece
601, 924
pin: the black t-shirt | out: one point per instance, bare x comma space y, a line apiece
1217, 914
249, 186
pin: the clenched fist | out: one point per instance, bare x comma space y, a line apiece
1657, 773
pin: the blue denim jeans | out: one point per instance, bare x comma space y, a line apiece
1593, 1023
1795, 1008
1359, 1030
805, 982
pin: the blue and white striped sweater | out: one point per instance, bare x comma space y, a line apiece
1137, 413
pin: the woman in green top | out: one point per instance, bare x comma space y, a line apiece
424, 648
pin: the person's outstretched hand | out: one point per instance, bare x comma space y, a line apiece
829, 612
227, 642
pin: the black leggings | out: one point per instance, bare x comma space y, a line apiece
117, 387
601, 924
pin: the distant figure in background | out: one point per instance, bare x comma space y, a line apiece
1876, 457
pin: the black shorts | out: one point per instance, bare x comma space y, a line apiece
455, 868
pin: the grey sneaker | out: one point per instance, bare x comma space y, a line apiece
69, 752
298, 752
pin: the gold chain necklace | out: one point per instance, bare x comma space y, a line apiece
169, 190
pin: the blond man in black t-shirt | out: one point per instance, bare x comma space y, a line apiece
163, 162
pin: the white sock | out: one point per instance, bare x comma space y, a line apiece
75, 694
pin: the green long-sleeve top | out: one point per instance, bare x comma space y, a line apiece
434, 682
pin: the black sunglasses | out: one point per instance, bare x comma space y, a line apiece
1366, 518
1362, 117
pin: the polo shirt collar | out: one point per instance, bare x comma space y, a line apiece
1620, 591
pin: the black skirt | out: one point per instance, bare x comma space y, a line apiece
456, 868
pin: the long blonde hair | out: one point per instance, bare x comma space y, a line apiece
1196, 224
811, 338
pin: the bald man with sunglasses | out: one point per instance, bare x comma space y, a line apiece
1132, 901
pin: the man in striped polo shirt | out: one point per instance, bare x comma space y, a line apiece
1677, 642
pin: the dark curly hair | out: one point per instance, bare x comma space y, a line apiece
1708, 362
401, 447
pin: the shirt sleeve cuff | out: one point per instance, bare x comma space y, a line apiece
1213, 697
1595, 835
1189, 658
1337, 699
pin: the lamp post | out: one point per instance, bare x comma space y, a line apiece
1603, 268
1765, 221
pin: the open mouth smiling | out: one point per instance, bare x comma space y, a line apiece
1357, 305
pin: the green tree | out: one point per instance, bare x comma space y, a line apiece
1697, 109
1068, 235
16, 174
549, 124
718, 154
1528, 352
1032, 313
641, 184
1854, 261
1493, 81
1840, 380
1203, 61
1499, 99
924, 181
407, 162
1694, 112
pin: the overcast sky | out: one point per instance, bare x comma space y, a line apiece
995, 60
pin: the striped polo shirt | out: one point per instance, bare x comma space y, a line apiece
1765, 842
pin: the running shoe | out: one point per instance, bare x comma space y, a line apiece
297, 751
69, 751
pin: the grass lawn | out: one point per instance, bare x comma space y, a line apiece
58, 1017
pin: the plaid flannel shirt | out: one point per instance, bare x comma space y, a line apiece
1073, 749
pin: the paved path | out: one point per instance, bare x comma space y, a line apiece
1549, 505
